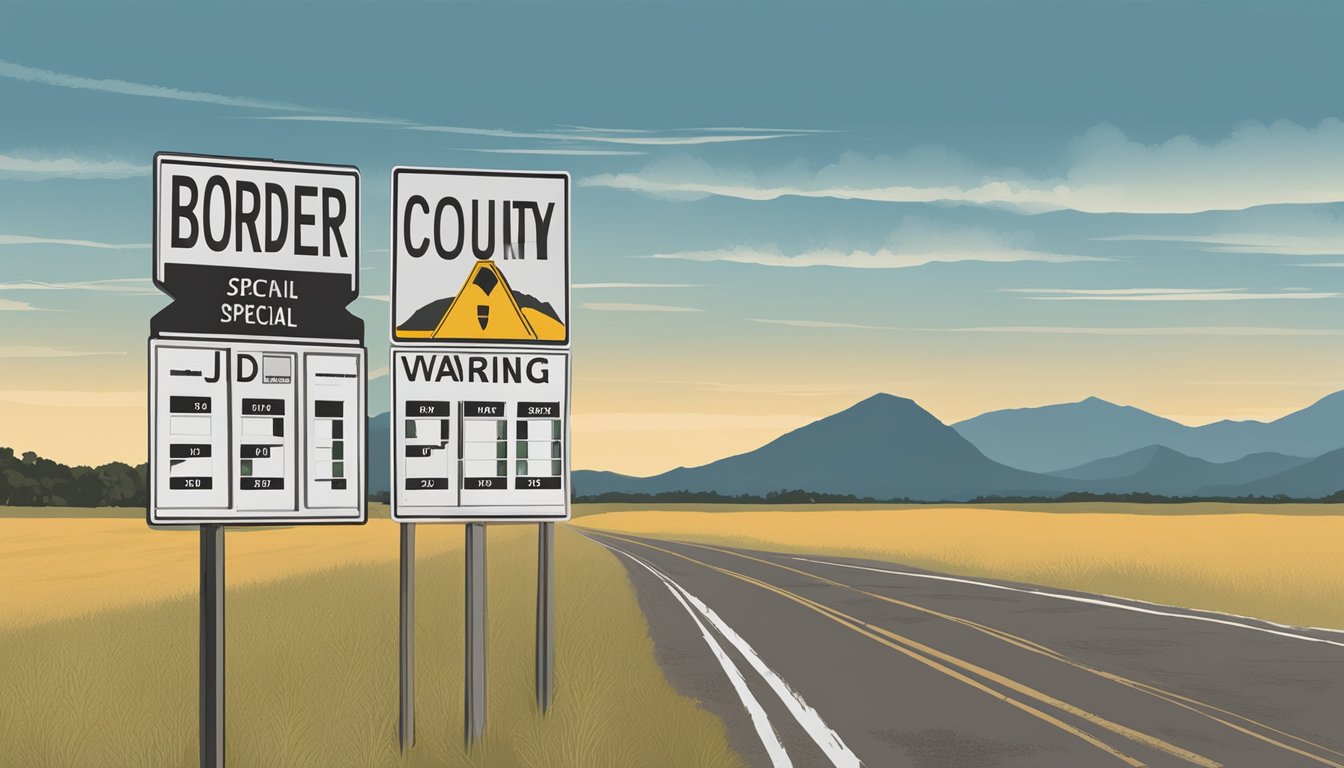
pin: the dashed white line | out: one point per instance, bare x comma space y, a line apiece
1080, 599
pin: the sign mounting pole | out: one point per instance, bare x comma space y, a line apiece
212, 646
475, 677
545, 615
406, 725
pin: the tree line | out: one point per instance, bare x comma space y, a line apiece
29, 480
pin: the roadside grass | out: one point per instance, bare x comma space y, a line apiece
312, 668
1267, 562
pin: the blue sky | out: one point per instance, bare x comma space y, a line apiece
778, 208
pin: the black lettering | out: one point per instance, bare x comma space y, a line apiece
247, 216
184, 210
251, 373
538, 377
509, 251
450, 253
543, 227
302, 220
416, 251
475, 368
276, 192
215, 183
332, 222
482, 253
513, 369
416, 366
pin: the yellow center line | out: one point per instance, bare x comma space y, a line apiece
866, 630
1184, 702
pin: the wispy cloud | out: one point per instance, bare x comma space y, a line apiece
30, 240
915, 244
684, 422
825, 324
1211, 330
31, 167
20, 353
376, 297
13, 71
557, 151
129, 286
8, 305
378, 373
1106, 172
75, 399
1164, 294
1063, 330
630, 137
619, 307
600, 286
1331, 244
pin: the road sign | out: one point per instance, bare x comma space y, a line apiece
481, 434
257, 370
480, 257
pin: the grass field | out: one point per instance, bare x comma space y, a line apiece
1276, 562
98, 652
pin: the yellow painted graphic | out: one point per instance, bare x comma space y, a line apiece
487, 308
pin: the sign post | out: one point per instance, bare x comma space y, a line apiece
406, 700
257, 372
545, 614
480, 376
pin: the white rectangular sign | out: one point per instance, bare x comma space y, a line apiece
256, 432
480, 257
479, 434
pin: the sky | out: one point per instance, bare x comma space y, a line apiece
778, 209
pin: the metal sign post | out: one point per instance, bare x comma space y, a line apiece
212, 646
406, 721
545, 614
475, 656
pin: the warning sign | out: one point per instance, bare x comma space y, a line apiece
480, 257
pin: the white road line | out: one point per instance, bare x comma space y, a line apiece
1089, 600
779, 757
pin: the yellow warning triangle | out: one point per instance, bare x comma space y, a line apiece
485, 309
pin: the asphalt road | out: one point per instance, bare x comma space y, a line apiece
824, 661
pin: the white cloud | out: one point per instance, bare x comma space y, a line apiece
378, 373
1267, 243
20, 353
684, 422
825, 324
916, 243
37, 168
7, 305
1105, 172
30, 240
559, 152
376, 297
71, 399
129, 286
596, 286
1212, 330
1164, 294
619, 307
14, 71
613, 136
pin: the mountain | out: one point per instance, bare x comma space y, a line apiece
1317, 478
1053, 437
1160, 470
883, 447
380, 446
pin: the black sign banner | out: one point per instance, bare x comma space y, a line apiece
257, 302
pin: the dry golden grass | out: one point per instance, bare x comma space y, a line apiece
58, 567
1268, 562
312, 656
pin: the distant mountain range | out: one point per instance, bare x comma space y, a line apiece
888, 447
1055, 437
